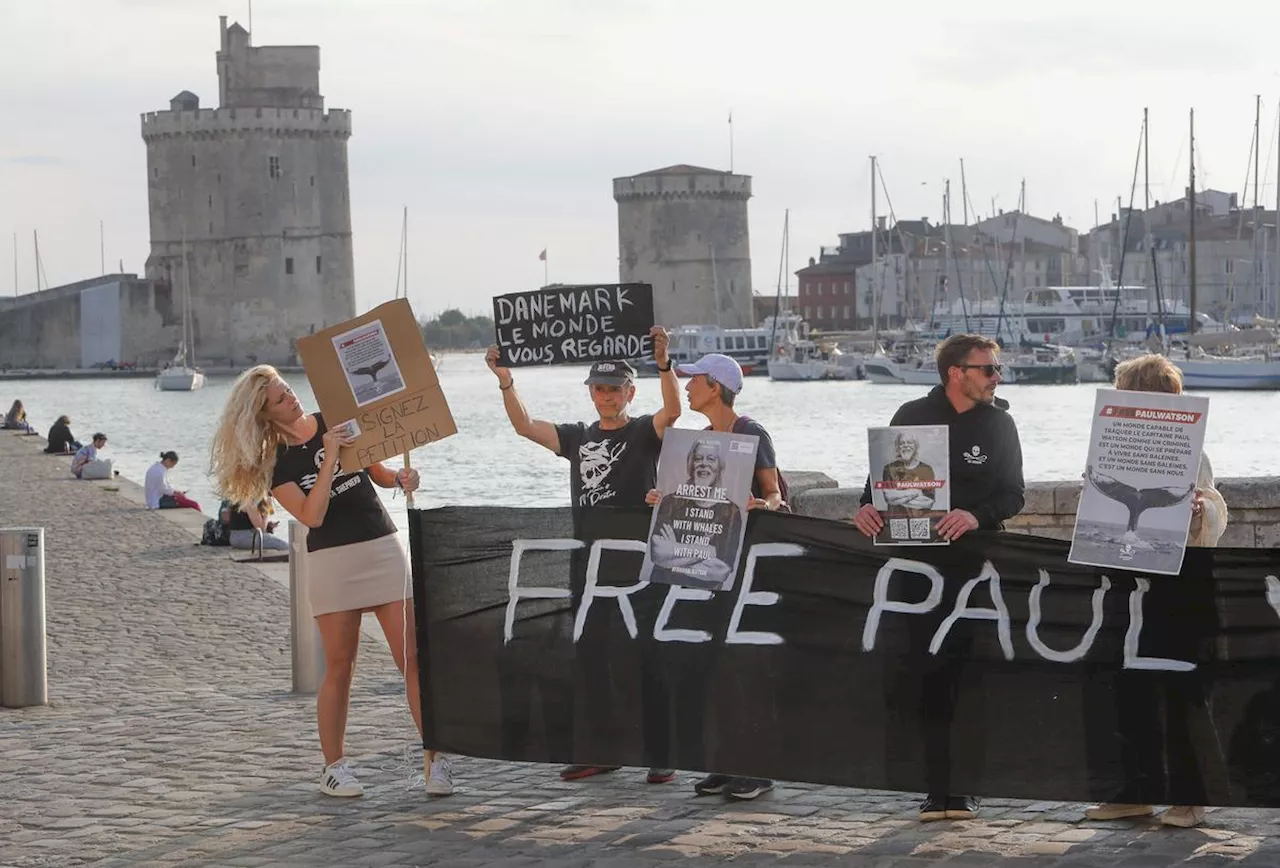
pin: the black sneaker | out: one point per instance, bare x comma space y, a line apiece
933, 808
712, 785
747, 788
963, 807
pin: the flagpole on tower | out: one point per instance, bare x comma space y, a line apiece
543, 257
731, 141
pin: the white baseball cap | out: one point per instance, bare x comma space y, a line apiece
721, 368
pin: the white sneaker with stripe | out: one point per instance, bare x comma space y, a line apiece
440, 777
338, 780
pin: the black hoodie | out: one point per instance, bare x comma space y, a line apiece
986, 456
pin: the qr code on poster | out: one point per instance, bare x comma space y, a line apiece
920, 528
898, 528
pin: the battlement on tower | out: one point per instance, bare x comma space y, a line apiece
284, 122
682, 182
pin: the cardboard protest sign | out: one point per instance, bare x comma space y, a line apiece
910, 482
1139, 481
695, 538
373, 375
574, 324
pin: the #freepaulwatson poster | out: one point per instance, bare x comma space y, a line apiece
1139, 481
368, 364
696, 535
910, 482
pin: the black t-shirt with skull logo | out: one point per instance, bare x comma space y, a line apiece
610, 468
356, 513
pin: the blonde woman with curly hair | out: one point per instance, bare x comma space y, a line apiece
266, 442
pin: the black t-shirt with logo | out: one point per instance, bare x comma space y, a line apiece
356, 513
610, 468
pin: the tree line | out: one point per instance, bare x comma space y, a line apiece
454, 330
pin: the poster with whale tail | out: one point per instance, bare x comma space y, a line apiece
1139, 492
373, 377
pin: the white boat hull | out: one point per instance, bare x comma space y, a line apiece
179, 380
889, 372
1229, 373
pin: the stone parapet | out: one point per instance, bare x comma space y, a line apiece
232, 121
1050, 510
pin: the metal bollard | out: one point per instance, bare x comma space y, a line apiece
24, 677
257, 545
304, 636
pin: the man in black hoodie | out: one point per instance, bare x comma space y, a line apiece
986, 489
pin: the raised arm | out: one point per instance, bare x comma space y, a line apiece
670, 412
540, 432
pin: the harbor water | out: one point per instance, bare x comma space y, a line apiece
815, 426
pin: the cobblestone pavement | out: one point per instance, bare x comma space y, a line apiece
171, 737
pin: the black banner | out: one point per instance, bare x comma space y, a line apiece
989, 667
574, 324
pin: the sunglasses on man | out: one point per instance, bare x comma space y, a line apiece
988, 370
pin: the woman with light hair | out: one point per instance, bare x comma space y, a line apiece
266, 442
1182, 694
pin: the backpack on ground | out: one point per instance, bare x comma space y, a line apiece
215, 534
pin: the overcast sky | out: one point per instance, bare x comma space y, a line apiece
500, 123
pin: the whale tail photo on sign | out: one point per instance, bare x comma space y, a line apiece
373, 377
1139, 480
695, 538
574, 324
830, 660
911, 487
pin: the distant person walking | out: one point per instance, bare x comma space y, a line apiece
160, 491
265, 440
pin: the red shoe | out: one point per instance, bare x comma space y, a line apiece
661, 776
577, 773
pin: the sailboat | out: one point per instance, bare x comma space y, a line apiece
180, 375
1254, 370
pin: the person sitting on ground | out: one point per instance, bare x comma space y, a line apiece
61, 440
86, 459
160, 492
242, 524
16, 419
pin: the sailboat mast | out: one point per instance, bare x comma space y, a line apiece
15, 265
404, 234
1191, 240
1275, 294
1146, 223
1257, 142
875, 299
784, 266
964, 204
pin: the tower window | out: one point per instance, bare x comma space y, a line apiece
211, 201
317, 265
193, 161
313, 180
288, 265
273, 166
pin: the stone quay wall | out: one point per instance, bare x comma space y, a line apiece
1253, 503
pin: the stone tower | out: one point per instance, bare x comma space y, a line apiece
256, 192
683, 229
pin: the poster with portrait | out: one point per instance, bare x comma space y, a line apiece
910, 482
695, 538
1139, 481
